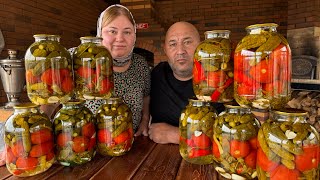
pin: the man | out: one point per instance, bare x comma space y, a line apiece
171, 83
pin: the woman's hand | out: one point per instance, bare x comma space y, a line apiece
143, 127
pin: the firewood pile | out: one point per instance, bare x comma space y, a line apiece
308, 101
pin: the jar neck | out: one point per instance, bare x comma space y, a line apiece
260, 28
114, 100
289, 117
198, 103
76, 104
94, 40
24, 110
46, 37
238, 110
217, 34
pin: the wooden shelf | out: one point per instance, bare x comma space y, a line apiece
306, 81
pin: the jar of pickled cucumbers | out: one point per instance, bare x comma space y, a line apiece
213, 68
92, 65
288, 147
235, 143
262, 68
29, 141
196, 132
115, 129
75, 134
48, 67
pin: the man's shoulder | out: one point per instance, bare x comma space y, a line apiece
161, 67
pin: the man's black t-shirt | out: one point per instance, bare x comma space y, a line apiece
169, 96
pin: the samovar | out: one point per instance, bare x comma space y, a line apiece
13, 79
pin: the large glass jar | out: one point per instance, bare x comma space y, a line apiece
262, 68
92, 64
213, 68
288, 147
196, 132
235, 143
75, 134
29, 141
49, 74
115, 129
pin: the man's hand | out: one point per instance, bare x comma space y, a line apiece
164, 133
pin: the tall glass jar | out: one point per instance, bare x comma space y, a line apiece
196, 130
92, 65
29, 141
288, 147
49, 76
262, 67
75, 134
213, 68
115, 129
235, 142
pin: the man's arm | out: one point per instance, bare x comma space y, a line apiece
164, 133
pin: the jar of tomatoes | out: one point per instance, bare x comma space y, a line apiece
213, 68
196, 130
262, 68
288, 147
49, 76
29, 141
75, 134
235, 142
115, 128
92, 66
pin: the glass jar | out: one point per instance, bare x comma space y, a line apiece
235, 143
29, 141
262, 68
196, 130
288, 147
93, 69
48, 66
75, 134
115, 128
213, 68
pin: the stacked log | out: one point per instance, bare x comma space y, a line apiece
308, 101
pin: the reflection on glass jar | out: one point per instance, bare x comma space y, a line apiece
235, 143
93, 69
75, 134
115, 129
213, 68
196, 130
48, 70
29, 141
288, 147
262, 68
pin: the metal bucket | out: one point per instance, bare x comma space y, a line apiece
13, 79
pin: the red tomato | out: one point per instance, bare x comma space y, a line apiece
10, 158
280, 55
253, 143
88, 130
239, 148
105, 86
50, 155
80, 144
215, 150
121, 137
265, 71
189, 142
309, 159
67, 84
202, 141
198, 72
282, 172
92, 143
104, 136
245, 90
27, 163
18, 149
250, 160
85, 72
41, 136
46, 77
30, 78
264, 163
240, 63
63, 139
41, 149
193, 153
216, 78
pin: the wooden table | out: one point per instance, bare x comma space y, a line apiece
146, 160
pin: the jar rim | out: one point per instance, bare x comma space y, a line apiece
73, 102
262, 25
90, 38
25, 105
218, 31
291, 111
46, 35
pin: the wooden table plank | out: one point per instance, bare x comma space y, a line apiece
188, 171
123, 167
162, 163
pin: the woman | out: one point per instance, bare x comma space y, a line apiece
131, 73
